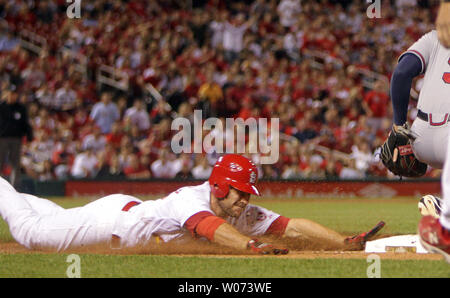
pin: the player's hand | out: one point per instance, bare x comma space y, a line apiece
406, 131
265, 248
443, 24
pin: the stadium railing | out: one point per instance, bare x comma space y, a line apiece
32, 41
319, 59
79, 60
112, 77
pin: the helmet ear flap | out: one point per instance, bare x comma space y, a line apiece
220, 190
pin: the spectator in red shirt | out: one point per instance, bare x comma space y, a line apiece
376, 103
62, 160
134, 168
114, 137
246, 110
234, 96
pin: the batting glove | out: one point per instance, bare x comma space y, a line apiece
361, 239
358, 240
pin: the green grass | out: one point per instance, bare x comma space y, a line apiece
344, 215
139, 266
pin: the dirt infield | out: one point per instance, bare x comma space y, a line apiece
195, 250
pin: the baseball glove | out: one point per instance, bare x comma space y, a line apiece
397, 154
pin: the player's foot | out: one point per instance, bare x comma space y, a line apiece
434, 237
430, 205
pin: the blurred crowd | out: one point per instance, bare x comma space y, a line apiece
227, 58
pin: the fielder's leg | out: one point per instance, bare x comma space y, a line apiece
435, 232
444, 219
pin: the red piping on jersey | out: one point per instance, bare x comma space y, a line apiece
421, 58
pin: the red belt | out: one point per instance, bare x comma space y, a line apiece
115, 241
129, 205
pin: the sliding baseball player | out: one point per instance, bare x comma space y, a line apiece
217, 210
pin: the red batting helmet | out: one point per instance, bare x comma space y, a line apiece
235, 170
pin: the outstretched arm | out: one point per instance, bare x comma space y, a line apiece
218, 231
227, 235
299, 228
306, 229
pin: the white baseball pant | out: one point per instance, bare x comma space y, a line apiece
431, 145
445, 182
41, 224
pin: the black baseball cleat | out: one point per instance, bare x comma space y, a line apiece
430, 205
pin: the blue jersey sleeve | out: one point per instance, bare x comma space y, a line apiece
406, 70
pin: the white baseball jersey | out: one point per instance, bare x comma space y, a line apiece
435, 59
167, 217
41, 224
434, 100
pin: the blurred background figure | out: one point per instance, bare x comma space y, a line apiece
85, 164
14, 125
138, 115
105, 113
321, 67
163, 167
202, 169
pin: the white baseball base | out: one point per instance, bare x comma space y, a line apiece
398, 244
